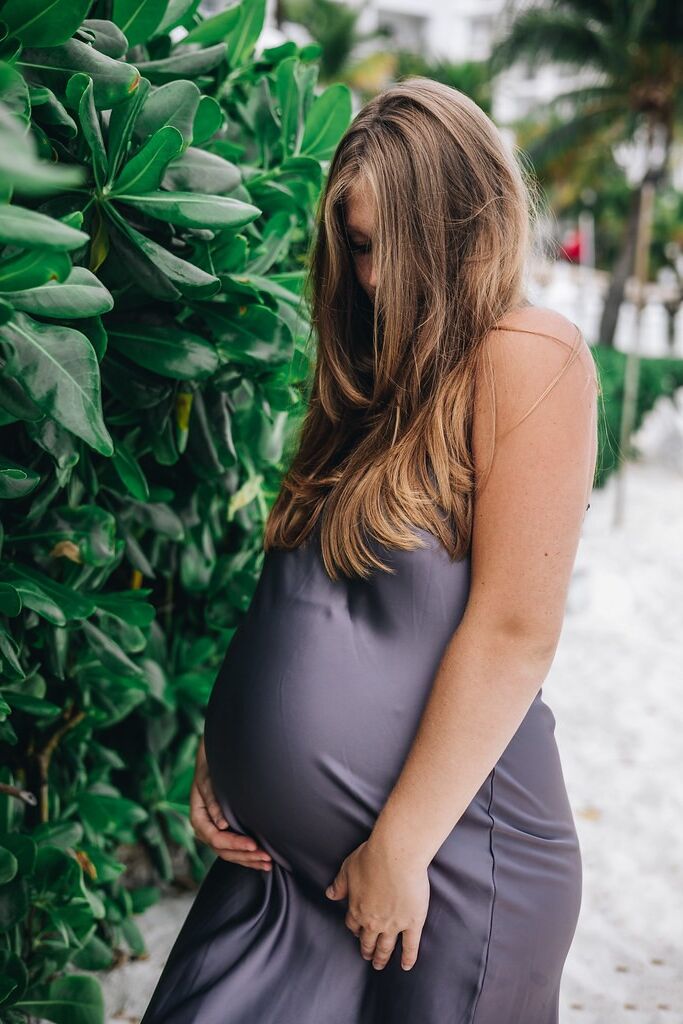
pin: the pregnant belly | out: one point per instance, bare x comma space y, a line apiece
308, 725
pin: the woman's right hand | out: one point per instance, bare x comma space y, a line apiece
209, 824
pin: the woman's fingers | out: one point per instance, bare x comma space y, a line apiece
368, 941
377, 946
225, 843
211, 804
213, 807
202, 780
248, 860
410, 942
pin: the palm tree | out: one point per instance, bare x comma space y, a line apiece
333, 26
630, 55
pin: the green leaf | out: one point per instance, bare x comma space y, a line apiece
143, 173
190, 64
129, 605
185, 277
177, 11
161, 518
96, 955
121, 125
24, 849
243, 38
109, 814
13, 977
79, 92
187, 209
44, 22
59, 370
215, 29
138, 19
20, 167
56, 872
106, 37
326, 121
109, 652
27, 228
200, 171
170, 351
174, 104
10, 601
129, 927
128, 469
81, 295
16, 100
208, 120
10, 652
290, 98
48, 598
113, 80
38, 707
8, 866
16, 481
283, 286
13, 903
51, 112
145, 896
139, 269
32, 268
58, 833
256, 336
72, 999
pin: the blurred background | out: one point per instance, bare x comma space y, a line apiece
135, 486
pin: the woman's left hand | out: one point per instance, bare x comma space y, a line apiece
387, 896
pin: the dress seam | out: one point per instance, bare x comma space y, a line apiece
493, 902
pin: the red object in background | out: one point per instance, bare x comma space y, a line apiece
571, 247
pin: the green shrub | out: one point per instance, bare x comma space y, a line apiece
156, 203
657, 376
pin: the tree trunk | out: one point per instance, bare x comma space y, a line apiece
623, 269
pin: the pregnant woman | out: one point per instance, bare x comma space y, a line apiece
379, 775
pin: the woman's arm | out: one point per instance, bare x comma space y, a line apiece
527, 524
526, 527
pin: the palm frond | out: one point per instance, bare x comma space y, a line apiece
589, 128
596, 10
540, 33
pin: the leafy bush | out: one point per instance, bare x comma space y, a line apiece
656, 376
156, 202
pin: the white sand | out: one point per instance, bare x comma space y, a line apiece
616, 690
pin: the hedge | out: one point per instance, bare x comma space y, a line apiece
157, 193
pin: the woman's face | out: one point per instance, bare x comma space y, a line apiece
359, 214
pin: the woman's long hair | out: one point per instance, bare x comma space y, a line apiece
385, 445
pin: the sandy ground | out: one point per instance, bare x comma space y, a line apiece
615, 688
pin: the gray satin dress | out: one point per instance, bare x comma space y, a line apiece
308, 725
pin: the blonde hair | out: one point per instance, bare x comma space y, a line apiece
385, 445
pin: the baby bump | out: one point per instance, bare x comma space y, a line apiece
307, 728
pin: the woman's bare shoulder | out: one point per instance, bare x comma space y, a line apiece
539, 336
539, 360
538, 320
